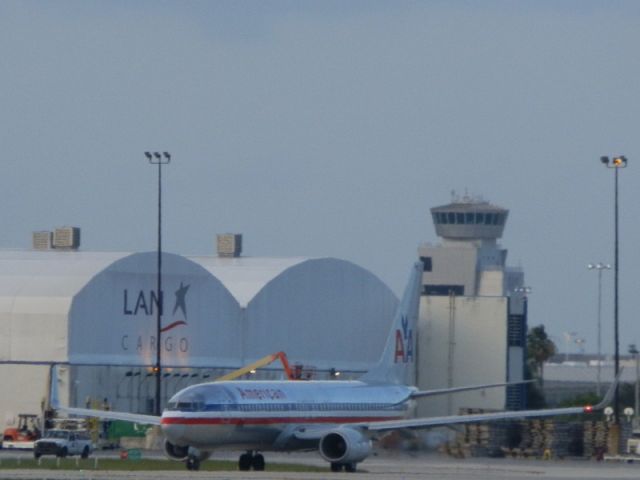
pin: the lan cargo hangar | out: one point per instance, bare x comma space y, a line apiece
94, 314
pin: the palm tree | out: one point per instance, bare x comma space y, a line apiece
539, 349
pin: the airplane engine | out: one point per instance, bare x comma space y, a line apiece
176, 452
345, 445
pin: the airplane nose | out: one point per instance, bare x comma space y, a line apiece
173, 432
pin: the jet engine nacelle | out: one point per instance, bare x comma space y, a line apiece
345, 445
176, 452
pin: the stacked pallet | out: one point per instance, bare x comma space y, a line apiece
528, 438
557, 438
480, 439
595, 437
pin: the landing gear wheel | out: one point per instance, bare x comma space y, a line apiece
245, 461
350, 467
258, 463
193, 463
336, 467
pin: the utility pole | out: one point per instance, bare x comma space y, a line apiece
156, 158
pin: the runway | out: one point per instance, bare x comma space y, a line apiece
384, 466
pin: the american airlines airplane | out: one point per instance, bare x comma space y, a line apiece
338, 418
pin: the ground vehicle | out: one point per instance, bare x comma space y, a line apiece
633, 443
24, 434
61, 442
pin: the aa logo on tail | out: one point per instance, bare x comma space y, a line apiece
404, 343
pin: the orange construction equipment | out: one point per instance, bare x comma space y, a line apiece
261, 363
27, 431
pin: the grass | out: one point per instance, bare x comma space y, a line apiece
53, 463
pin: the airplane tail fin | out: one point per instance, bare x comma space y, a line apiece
397, 364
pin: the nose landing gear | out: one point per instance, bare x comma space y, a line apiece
193, 463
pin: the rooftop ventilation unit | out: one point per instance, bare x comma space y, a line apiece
66, 238
42, 240
229, 245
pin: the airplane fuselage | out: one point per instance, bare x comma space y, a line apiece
262, 415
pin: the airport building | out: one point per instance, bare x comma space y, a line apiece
472, 326
94, 314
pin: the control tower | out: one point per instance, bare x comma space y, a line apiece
469, 219
472, 326
469, 261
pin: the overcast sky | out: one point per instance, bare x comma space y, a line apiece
330, 128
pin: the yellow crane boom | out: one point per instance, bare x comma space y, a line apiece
258, 364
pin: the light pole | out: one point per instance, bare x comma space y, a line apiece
634, 351
156, 158
599, 267
616, 163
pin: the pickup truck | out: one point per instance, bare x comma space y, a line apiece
61, 443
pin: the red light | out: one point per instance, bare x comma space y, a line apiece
588, 409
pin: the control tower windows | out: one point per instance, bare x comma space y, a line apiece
469, 218
443, 290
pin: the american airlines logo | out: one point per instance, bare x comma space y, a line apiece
261, 393
404, 343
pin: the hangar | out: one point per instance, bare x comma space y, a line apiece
95, 315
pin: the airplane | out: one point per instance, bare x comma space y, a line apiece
338, 418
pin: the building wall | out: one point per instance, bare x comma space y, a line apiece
472, 331
491, 283
113, 319
329, 313
454, 263
34, 329
96, 315
24, 390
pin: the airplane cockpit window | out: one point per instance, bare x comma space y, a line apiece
187, 402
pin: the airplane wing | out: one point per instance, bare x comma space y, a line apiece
54, 400
445, 391
110, 415
484, 417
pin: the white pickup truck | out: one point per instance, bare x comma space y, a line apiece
61, 443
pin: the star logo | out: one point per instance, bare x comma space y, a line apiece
181, 303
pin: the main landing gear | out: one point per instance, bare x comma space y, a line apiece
250, 460
348, 467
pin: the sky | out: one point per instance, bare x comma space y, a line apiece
330, 128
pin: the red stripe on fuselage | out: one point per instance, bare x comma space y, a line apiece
267, 420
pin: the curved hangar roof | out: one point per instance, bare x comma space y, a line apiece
101, 308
